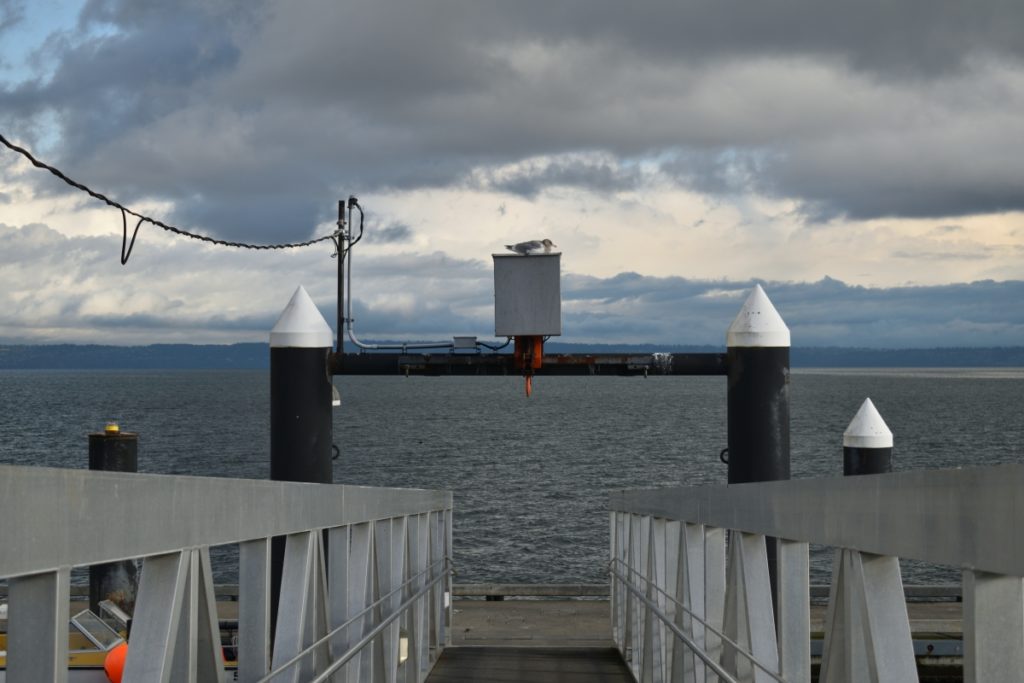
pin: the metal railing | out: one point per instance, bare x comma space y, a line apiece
691, 598
365, 585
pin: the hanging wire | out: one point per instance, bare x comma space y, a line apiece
125, 212
124, 237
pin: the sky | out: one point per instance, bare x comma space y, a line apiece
861, 160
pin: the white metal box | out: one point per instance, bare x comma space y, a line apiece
527, 295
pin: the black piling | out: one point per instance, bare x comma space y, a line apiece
300, 407
113, 451
757, 358
867, 443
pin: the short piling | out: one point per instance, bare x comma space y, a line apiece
867, 443
113, 451
300, 406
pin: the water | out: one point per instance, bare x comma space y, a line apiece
530, 476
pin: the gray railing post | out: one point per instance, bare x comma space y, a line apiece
300, 407
114, 451
758, 399
867, 443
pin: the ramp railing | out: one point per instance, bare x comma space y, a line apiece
365, 585
691, 597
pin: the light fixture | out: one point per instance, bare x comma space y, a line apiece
403, 646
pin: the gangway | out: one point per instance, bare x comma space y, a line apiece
689, 582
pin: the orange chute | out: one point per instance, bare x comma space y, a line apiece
529, 355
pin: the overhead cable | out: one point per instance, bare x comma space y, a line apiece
125, 211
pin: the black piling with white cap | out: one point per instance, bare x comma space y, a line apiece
757, 359
757, 356
867, 443
300, 394
300, 406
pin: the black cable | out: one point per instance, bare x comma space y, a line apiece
125, 255
147, 219
353, 202
495, 348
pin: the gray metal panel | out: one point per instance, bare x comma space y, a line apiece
63, 505
968, 518
254, 610
157, 618
794, 612
527, 295
993, 627
37, 628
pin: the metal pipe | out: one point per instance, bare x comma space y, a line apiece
712, 664
349, 319
339, 247
335, 631
365, 640
691, 614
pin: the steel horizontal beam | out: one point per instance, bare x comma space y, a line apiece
968, 518
78, 517
554, 364
464, 590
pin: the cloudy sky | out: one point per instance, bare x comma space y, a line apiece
863, 160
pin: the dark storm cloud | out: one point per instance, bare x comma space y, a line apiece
253, 117
533, 178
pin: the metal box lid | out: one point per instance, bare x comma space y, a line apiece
527, 295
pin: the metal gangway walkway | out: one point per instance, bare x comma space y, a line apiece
366, 578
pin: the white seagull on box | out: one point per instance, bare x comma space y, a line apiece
527, 248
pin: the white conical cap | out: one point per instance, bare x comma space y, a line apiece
301, 325
757, 324
867, 429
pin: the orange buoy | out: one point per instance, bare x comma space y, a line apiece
113, 664
529, 386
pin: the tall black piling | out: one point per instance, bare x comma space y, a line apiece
867, 443
757, 358
113, 451
300, 407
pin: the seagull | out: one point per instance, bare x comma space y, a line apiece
527, 248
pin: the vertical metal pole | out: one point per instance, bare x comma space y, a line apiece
758, 399
114, 451
340, 244
867, 443
300, 406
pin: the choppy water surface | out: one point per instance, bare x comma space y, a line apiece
530, 476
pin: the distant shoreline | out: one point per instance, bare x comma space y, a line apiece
255, 356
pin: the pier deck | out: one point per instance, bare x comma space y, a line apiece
533, 641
